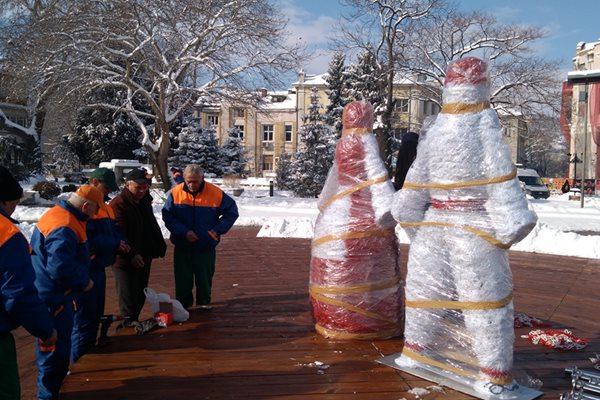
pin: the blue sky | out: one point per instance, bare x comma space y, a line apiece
566, 23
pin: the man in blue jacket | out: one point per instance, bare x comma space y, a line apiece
196, 213
19, 301
61, 262
105, 240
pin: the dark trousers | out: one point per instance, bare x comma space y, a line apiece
10, 388
193, 268
54, 365
90, 307
130, 283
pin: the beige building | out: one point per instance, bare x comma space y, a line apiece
271, 128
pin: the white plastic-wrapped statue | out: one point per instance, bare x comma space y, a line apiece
354, 275
462, 208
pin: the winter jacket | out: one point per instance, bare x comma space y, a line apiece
60, 255
209, 209
19, 300
104, 238
138, 225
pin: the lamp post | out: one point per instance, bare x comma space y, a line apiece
573, 159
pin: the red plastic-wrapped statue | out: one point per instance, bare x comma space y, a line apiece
354, 275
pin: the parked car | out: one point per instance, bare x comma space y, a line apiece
76, 177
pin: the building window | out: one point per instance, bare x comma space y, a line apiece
267, 164
288, 132
240, 131
401, 105
267, 134
238, 113
212, 120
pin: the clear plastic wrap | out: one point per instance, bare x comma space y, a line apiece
462, 208
354, 276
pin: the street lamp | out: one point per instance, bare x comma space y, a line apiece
575, 160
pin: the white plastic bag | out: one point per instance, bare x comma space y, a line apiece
180, 314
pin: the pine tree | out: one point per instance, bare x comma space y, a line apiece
234, 158
312, 163
336, 92
198, 146
283, 173
364, 80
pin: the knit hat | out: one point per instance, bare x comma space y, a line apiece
9, 187
92, 193
107, 177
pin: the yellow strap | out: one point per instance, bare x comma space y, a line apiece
460, 305
482, 234
352, 190
458, 185
369, 287
329, 333
428, 361
347, 306
462, 108
355, 131
353, 235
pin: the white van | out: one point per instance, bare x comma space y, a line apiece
122, 167
532, 183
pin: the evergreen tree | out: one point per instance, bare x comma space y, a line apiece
101, 136
13, 156
312, 163
336, 92
283, 173
198, 146
234, 158
365, 81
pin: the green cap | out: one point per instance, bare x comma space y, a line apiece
106, 176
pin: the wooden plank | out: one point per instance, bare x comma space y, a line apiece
259, 340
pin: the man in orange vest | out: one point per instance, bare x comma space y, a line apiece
105, 241
61, 261
19, 301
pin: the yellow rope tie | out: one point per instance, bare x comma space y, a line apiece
369, 287
329, 333
460, 305
355, 131
429, 361
463, 108
352, 190
459, 185
478, 232
353, 235
347, 306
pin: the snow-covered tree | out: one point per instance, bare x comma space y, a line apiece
313, 161
164, 54
198, 146
336, 92
380, 27
544, 146
284, 171
64, 159
234, 158
11, 156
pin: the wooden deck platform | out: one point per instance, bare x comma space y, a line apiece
259, 341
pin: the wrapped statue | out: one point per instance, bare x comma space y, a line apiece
354, 276
462, 208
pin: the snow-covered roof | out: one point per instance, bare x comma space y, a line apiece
313, 80
289, 101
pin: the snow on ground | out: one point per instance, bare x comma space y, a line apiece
564, 228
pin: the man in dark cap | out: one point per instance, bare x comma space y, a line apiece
19, 301
105, 240
135, 218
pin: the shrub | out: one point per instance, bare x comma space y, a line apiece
47, 190
69, 188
